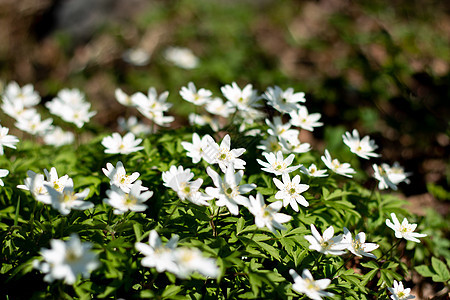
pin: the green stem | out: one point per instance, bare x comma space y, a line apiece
394, 246
16, 216
345, 262
173, 211
317, 261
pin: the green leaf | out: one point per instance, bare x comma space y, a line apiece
170, 291
424, 270
442, 272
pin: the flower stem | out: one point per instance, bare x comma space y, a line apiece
345, 262
394, 246
317, 261
171, 213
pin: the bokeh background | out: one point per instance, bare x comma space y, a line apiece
381, 67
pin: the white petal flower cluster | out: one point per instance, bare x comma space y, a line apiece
399, 292
181, 261
18, 103
36, 183
245, 99
287, 137
179, 180
312, 171
121, 145
283, 101
334, 165
389, 177
194, 96
3, 173
133, 200
181, 57
118, 176
56, 191
404, 229
58, 137
301, 118
133, 125
71, 106
228, 190
335, 245
7, 140
223, 155
328, 243
276, 163
290, 191
267, 215
358, 245
153, 106
197, 148
25, 95
306, 284
65, 260
362, 147
66, 200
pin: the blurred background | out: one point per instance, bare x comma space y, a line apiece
383, 69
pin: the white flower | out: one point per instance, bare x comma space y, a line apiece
222, 155
136, 56
201, 120
404, 230
123, 98
67, 200
244, 99
153, 106
334, 165
34, 125
126, 145
362, 147
227, 190
389, 177
35, 183
217, 107
190, 260
326, 244
293, 145
313, 171
267, 215
197, 147
283, 101
25, 95
197, 97
271, 144
277, 164
301, 118
71, 106
399, 292
58, 183
17, 110
58, 137
358, 245
6, 139
280, 130
157, 255
132, 124
67, 259
3, 173
178, 180
396, 173
118, 177
289, 191
181, 57
131, 201
306, 284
